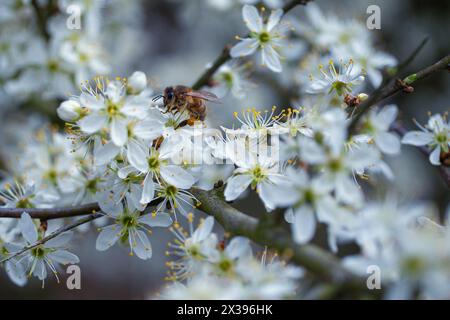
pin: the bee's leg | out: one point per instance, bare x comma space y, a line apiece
169, 109
182, 124
157, 142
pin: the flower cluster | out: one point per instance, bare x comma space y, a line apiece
229, 268
408, 246
344, 39
50, 56
48, 173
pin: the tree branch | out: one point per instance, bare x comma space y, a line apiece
57, 213
394, 86
50, 213
225, 55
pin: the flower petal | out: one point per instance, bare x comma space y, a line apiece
375, 77
125, 171
348, 191
161, 219
239, 247
16, 272
252, 18
40, 271
107, 238
436, 123
148, 129
435, 156
28, 228
115, 91
271, 59
92, 102
177, 176
148, 192
274, 19
119, 132
387, 115
279, 194
137, 154
244, 47
417, 138
64, 257
388, 142
204, 230
103, 154
236, 185
134, 197
92, 123
304, 225
141, 245
289, 215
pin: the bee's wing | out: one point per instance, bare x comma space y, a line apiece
203, 95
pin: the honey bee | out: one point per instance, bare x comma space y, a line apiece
179, 99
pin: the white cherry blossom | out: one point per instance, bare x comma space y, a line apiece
435, 135
266, 37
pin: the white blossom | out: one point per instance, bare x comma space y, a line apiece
156, 164
435, 135
130, 228
266, 37
376, 128
260, 173
338, 81
47, 255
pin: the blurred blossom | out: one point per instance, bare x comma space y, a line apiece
202, 260
436, 135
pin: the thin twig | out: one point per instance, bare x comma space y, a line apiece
50, 213
393, 87
54, 235
57, 213
225, 55
401, 67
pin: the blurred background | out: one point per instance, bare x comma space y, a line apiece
173, 42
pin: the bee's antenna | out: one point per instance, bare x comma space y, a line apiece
159, 96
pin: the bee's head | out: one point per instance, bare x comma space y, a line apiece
169, 95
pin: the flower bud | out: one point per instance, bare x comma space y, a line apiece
137, 82
69, 110
362, 96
